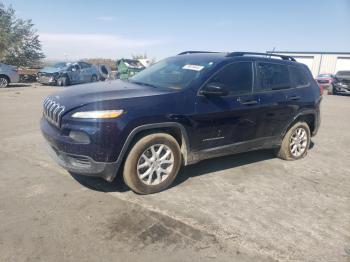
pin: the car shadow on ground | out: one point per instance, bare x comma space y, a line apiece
202, 168
18, 85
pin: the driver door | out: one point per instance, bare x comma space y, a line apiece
232, 118
75, 74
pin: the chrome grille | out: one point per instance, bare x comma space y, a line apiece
53, 111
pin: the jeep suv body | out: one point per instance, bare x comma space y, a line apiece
182, 110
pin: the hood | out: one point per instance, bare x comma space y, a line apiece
343, 77
51, 70
80, 95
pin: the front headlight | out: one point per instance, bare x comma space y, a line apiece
98, 114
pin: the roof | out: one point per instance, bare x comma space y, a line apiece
241, 56
309, 52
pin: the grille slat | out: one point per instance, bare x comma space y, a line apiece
53, 111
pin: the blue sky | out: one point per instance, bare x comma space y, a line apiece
114, 29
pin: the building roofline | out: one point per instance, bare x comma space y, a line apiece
308, 52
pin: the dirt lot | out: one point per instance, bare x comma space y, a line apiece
247, 207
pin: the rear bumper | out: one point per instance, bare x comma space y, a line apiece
317, 122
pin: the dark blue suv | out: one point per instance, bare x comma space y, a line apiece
181, 110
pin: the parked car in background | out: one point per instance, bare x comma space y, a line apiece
341, 83
181, 110
8, 74
325, 81
64, 74
128, 67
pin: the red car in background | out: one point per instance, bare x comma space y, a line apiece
325, 81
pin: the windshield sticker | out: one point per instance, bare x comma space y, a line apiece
193, 67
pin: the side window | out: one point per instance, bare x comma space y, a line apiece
236, 77
298, 76
84, 65
273, 77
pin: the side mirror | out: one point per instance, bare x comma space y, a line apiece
214, 89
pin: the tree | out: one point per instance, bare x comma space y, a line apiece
19, 41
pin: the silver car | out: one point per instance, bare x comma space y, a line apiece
8, 74
64, 74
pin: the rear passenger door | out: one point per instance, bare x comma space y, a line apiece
298, 96
272, 88
85, 74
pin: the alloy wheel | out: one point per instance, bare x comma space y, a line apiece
155, 164
298, 142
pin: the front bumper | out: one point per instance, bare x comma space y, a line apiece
83, 165
342, 89
46, 80
78, 157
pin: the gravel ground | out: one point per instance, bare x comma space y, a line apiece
246, 207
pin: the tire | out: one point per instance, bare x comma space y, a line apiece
286, 150
63, 81
93, 78
136, 165
4, 81
332, 90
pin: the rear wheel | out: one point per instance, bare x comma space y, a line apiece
296, 142
4, 82
152, 164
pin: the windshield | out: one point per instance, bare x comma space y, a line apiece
174, 72
60, 65
343, 73
324, 75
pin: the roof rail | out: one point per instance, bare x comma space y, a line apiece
283, 57
196, 52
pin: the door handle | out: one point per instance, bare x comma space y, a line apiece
294, 98
247, 102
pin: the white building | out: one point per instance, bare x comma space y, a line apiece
321, 62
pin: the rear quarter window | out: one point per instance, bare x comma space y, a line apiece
299, 76
272, 76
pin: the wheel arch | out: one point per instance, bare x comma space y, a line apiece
7, 77
174, 129
308, 116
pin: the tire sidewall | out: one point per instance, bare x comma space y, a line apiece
130, 168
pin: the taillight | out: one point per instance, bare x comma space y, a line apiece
321, 89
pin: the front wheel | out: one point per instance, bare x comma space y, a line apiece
296, 142
63, 81
152, 164
93, 79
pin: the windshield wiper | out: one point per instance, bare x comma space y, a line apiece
143, 84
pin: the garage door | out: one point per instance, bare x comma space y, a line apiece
307, 60
343, 63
